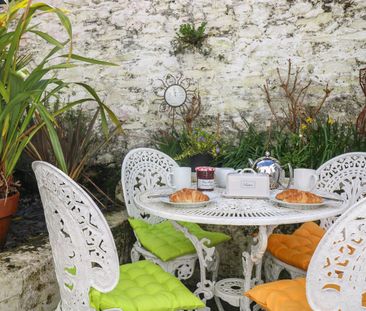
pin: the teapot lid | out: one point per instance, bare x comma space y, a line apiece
267, 160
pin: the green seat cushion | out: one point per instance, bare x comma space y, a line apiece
168, 243
144, 286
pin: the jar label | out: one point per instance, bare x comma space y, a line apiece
205, 184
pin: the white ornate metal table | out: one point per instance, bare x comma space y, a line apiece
234, 212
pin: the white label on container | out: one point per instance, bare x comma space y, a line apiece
247, 184
205, 184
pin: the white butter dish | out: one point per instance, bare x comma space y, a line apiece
247, 183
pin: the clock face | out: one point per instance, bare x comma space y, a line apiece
175, 95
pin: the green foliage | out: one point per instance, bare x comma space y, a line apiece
76, 128
168, 142
188, 34
317, 142
191, 38
198, 142
25, 90
183, 145
252, 144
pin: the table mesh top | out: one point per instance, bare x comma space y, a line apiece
235, 211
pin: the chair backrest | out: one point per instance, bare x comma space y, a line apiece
346, 176
144, 169
336, 277
82, 244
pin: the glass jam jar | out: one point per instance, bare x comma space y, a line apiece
205, 178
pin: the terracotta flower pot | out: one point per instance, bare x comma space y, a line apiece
8, 208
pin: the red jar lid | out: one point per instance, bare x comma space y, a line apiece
205, 169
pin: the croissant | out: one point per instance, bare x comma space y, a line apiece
298, 196
188, 196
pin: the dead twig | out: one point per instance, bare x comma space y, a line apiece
295, 110
191, 112
361, 119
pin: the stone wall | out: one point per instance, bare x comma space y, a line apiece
247, 41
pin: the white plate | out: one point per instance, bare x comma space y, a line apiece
300, 205
212, 197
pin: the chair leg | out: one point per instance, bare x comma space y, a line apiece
214, 266
296, 274
272, 270
135, 254
219, 304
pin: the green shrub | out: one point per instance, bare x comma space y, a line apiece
315, 143
183, 145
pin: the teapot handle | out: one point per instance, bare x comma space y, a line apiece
291, 171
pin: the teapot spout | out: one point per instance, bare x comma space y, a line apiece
250, 162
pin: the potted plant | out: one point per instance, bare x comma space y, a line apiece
25, 90
199, 147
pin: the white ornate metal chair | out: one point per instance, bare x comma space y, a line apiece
145, 169
344, 175
336, 276
86, 260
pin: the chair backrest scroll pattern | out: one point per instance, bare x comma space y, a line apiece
346, 176
144, 169
336, 278
82, 244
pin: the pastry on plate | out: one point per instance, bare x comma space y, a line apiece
298, 196
188, 196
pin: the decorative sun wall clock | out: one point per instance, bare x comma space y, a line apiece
174, 95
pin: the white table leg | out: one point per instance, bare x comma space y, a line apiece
206, 258
254, 258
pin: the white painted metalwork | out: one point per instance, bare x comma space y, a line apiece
229, 290
144, 169
344, 175
336, 275
273, 267
236, 212
147, 169
82, 244
208, 260
239, 212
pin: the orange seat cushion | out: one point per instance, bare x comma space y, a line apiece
284, 295
296, 249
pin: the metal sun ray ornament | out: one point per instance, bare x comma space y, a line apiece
174, 95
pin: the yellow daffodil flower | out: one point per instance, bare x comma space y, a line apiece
309, 120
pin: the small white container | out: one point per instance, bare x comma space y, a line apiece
247, 183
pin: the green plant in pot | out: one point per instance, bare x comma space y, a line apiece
26, 87
199, 147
